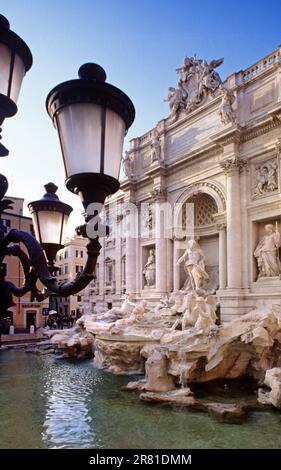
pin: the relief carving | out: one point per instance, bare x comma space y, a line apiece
266, 177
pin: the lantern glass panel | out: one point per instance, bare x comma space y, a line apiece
80, 127
5, 60
114, 139
50, 226
18, 74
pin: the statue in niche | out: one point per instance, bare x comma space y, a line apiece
226, 112
127, 165
267, 253
156, 146
266, 178
149, 269
194, 264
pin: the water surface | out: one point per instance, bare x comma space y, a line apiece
53, 403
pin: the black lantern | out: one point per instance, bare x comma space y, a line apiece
91, 118
50, 217
15, 61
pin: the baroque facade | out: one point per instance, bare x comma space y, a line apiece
218, 150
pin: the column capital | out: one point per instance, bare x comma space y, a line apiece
158, 194
221, 226
278, 146
233, 164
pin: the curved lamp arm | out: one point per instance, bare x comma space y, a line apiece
40, 269
82, 279
29, 274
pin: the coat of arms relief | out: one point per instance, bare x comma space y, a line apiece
198, 79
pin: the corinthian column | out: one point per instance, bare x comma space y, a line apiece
222, 256
232, 168
130, 265
161, 246
131, 233
176, 268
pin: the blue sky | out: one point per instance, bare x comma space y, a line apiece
139, 43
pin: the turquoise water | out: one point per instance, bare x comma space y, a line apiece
53, 403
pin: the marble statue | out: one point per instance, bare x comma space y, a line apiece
266, 177
175, 100
147, 217
189, 314
197, 79
136, 315
194, 263
205, 311
119, 312
267, 253
164, 303
226, 112
127, 165
176, 306
199, 311
210, 79
156, 146
150, 269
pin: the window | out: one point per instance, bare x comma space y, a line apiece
66, 269
79, 298
109, 271
81, 254
6, 224
31, 229
76, 253
65, 254
78, 268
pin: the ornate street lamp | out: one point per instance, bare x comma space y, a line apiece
50, 217
15, 61
91, 118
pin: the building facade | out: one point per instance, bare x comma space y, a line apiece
219, 152
70, 262
26, 311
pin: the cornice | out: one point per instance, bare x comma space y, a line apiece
230, 134
261, 128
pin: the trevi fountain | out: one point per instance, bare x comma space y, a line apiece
196, 320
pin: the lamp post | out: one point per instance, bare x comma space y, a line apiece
92, 118
50, 216
15, 61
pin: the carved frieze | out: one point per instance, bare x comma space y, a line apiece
265, 178
158, 194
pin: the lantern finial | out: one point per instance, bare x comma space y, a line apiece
91, 71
